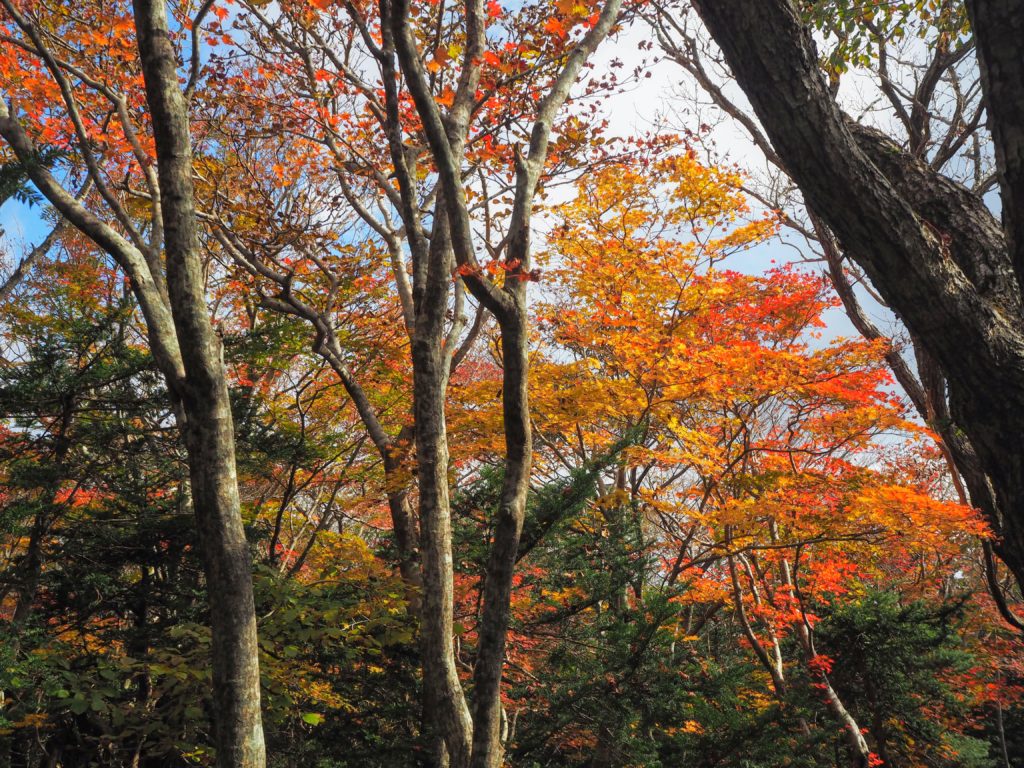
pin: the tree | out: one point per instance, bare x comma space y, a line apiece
167, 279
472, 741
901, 667
932, 248
106, 648
629, 518
425, 176
756, 494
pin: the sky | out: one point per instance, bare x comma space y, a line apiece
660, 100
21, 225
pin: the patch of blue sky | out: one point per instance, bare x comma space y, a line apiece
23, 226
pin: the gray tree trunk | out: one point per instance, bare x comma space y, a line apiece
188, 353
475, 742
207, 428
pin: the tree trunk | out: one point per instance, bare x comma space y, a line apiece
508, 527
445, 700
207, 427
998, 29
930, 247
451, 243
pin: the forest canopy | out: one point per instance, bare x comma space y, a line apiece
569, 383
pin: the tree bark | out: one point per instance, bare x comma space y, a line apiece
453, 238
508, 527
187, 351
929, 246
998, 29
860, 754
208, 429
444, 695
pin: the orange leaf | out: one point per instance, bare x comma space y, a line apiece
555, 27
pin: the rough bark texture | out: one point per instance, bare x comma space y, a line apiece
929, 246
198, 388
208, 429
508, 527
998, 29
186, 350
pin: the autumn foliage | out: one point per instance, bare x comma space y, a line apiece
738, 545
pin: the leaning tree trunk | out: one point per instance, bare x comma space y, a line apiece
207, 428
930, 247
860, 754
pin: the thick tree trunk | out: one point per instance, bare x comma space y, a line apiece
444, 694
929, 246
187, 351
998, 29
207, 428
